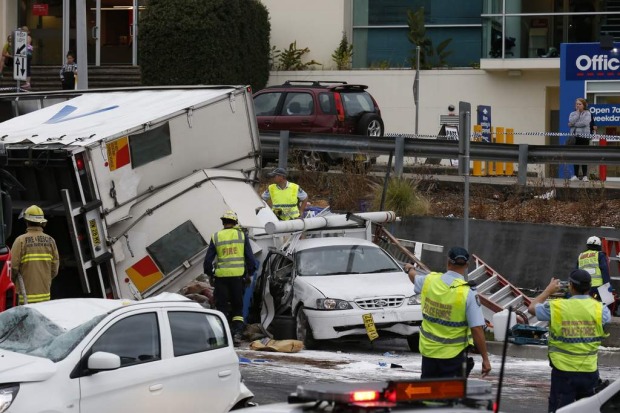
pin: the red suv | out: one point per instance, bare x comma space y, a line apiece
318, 107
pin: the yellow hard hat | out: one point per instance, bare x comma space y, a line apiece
34, 214
231, 215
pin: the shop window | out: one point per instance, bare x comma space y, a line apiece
177, 246
150, 145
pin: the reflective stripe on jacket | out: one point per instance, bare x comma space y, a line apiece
229, 245
285, 200
588, 260
34, 255
444, 332
575, 334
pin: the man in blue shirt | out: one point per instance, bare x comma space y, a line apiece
443, 355
575, 333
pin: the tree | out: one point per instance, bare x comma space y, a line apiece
417, 36
189, 42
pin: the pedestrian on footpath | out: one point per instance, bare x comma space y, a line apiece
595, 262
234, 263
68, 72
575, 334
34, 256
579, 124
284, 196
452, 316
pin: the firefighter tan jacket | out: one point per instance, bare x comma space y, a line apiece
34, 255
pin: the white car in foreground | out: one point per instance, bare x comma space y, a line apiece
605, 401
94, 355
335, 287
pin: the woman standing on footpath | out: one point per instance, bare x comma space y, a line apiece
579, 124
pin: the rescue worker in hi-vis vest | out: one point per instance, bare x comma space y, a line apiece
284, 196
34, 256
234, 265
595, 262
575, 334
452, 317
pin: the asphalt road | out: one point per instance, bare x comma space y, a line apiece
273, 376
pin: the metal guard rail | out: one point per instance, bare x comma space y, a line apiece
446, 149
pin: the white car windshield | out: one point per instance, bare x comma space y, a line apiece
344, 259
25, 330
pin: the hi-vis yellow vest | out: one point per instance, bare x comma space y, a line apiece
229, 244
575, 334
588, 260
285, 200
444, 332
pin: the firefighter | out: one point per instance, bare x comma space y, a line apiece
452, 316
284, 196
595, 262
35, 258
575, 334
234, 264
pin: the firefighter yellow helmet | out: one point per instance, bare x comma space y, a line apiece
231, 215
34, 214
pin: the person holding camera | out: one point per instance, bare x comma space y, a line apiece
452, 316
575, 334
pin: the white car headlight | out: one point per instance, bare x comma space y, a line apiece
7, 395
414, 300
332, 304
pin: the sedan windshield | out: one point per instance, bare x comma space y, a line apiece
344, 259
25, 330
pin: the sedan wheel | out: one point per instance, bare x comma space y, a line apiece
312, 161
304, 331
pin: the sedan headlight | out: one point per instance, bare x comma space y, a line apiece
7, 395
414, 300
332, 304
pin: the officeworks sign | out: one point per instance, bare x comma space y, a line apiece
587, 61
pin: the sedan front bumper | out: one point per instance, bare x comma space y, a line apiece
405, 320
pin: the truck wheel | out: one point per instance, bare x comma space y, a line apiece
370, 124
414, 342
304, 331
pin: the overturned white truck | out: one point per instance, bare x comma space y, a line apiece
132, 182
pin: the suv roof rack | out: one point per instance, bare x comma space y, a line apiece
313, 82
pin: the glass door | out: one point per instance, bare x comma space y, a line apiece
111, 27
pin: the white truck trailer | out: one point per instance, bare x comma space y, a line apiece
132, 182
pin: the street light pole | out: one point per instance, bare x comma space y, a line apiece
416, 89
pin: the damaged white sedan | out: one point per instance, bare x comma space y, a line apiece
327, 288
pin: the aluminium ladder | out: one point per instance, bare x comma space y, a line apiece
496, 293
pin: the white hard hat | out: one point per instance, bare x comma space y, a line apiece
594, 241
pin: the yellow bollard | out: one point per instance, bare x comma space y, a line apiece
491, 164
500, 137
477, 170
510, 167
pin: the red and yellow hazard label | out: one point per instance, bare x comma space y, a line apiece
118, 153
144, 273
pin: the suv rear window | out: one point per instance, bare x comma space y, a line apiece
356, 103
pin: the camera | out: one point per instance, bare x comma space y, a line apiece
564, 286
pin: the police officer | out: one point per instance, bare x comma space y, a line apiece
595, 262
575, 334
452, 316
234, 264
284, 196
35, 257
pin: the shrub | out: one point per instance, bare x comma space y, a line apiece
291, 58
189, 42
402, 196
429, 56
343, 54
